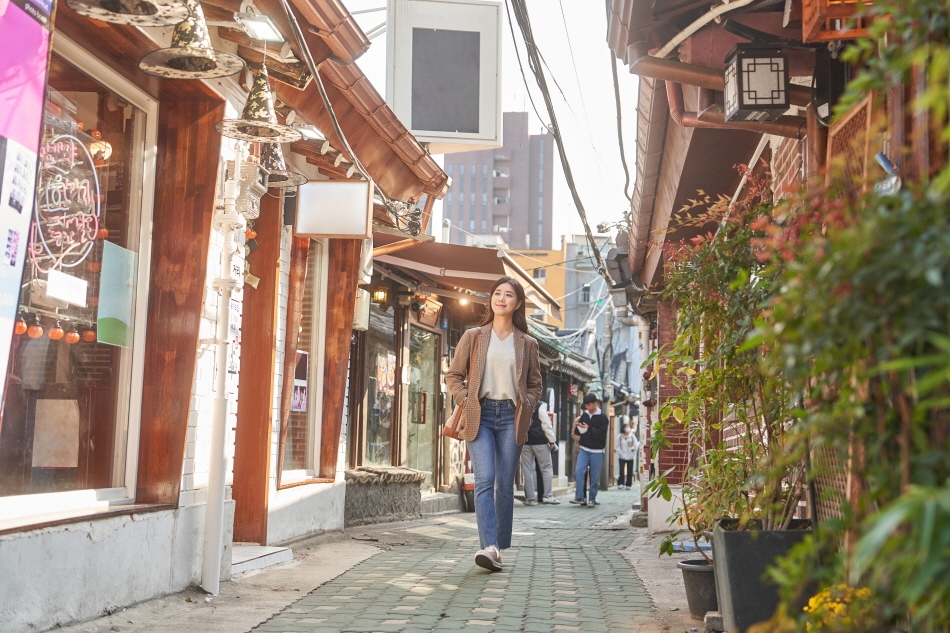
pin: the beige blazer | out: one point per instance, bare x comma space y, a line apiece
460, 384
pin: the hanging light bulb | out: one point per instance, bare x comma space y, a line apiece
190, 55
35, 330
20, 327
258, 123
132, 12
89, 335
272, 159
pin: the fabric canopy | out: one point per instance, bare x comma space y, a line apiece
467, 268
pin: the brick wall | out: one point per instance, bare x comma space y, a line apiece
786, 165
676, 456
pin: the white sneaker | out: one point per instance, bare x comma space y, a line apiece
530, 502
551, 501
489, 558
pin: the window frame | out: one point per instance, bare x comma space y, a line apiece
24, 510
316, 366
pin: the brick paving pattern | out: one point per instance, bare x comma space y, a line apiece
563, 573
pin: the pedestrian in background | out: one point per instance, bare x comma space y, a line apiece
541, 441
592, 431
497, 402
626, 448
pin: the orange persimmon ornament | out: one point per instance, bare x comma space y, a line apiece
89, 335
34, 331
72, 336
20, 327
250, 234
94, 267
102, 233
56, 332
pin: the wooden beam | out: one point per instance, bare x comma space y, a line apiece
342, 283
395, 247
299, 256
427, 212
295, 75
252, 440
185, 186
328, 169
218, 14
231, 6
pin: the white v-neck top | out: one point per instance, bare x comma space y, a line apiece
500, 380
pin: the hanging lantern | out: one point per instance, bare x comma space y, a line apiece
272, 159
56, 332
756, 83
132, 12
72, 336
258, 123
89, 335
20, 327
190, 55
380, 294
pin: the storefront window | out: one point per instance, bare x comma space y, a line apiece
381, 384
65, 420
300, 449
424, 348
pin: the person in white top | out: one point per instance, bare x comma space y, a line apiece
626, 448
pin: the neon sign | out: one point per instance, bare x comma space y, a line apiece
67, 205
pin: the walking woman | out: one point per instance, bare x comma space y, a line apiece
497, 401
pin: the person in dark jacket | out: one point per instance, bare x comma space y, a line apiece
541, 441
591, 433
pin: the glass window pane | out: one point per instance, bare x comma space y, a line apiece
65, 418
380, 386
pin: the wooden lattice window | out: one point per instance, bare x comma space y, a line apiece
850, 141
829, 20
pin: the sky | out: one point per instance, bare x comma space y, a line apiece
571, 35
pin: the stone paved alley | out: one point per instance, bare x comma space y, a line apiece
571, 569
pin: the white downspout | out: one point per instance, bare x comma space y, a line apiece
227, 221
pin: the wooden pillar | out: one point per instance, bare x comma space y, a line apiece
185, 184
299, 257
252, 441
342, 283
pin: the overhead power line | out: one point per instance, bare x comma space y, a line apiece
623, 154
534, 63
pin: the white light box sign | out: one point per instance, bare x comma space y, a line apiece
328, 208
443, 71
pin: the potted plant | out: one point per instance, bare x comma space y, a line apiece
733, 413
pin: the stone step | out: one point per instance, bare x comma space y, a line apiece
439, 503
248, 557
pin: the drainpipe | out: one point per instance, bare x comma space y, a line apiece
711, 117
228, 221
641, 63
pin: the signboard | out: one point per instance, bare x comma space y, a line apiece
24, 49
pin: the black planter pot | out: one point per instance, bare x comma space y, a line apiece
700, 584
742, 556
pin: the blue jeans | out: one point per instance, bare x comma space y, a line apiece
596, 463
495, 455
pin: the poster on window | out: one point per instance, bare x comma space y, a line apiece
298, 400
386, 374
24, 49
116, 296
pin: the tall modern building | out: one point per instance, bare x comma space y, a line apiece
504, 193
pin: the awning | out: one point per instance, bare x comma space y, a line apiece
466, 268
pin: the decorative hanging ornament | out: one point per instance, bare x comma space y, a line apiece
35, 330
258, 123
272, 159
191, 55
89, 335
56, 332
20, 327
132, 12
72, 336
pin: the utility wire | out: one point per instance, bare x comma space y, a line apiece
524, 22
577, 78
623, 154
524, 78
391, 204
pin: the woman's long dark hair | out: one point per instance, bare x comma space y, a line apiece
519, 318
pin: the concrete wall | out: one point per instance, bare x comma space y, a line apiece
301, 510
74, 572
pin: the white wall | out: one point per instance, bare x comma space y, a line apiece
83, 570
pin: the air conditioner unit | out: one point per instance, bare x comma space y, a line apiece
443, 71
501, 200
361, 313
